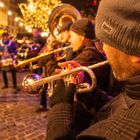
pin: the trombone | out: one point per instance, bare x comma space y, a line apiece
33, 82
58, 17
29, 61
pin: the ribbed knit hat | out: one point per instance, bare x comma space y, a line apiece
84, 27
65, 27
118, 24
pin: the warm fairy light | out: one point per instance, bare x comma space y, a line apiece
32, 7
44, 34
29, 29
36, 13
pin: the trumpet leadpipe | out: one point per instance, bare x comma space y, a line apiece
100, 64
68, 72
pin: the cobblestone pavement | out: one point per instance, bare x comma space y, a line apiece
18, 120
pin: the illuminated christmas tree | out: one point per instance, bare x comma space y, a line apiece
36, 12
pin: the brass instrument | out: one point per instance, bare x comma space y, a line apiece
58, 17
33, 82
29, 61
28, 50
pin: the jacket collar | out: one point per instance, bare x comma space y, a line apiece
84, 46
133, 87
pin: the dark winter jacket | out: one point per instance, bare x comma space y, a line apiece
117, 120
39, 40
11, 47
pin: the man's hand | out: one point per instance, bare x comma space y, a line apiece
75, 78
0, 53
62, 94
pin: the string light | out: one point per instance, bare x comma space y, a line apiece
36, 13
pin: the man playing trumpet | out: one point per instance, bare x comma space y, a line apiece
117, 25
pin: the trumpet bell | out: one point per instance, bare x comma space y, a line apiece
28, 84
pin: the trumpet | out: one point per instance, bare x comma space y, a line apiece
33, 82
34, 59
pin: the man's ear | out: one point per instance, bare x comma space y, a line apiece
82, 38
135, 59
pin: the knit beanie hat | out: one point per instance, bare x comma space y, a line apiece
118, 24
84, 27
65, 27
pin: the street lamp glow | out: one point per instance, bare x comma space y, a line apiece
30, 30
21, 24
27, 28
1, 4
9, 13
17, 19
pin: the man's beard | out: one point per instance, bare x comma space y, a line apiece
122, 72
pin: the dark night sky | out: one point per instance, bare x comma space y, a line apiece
18, 1
85, 5
77, 3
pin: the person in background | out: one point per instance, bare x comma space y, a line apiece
8, 51
85, 52
82, 41
39, 42
119, 29
37, 37
64, 32
52, 44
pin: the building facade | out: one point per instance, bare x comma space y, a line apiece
9, 12
3, 15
